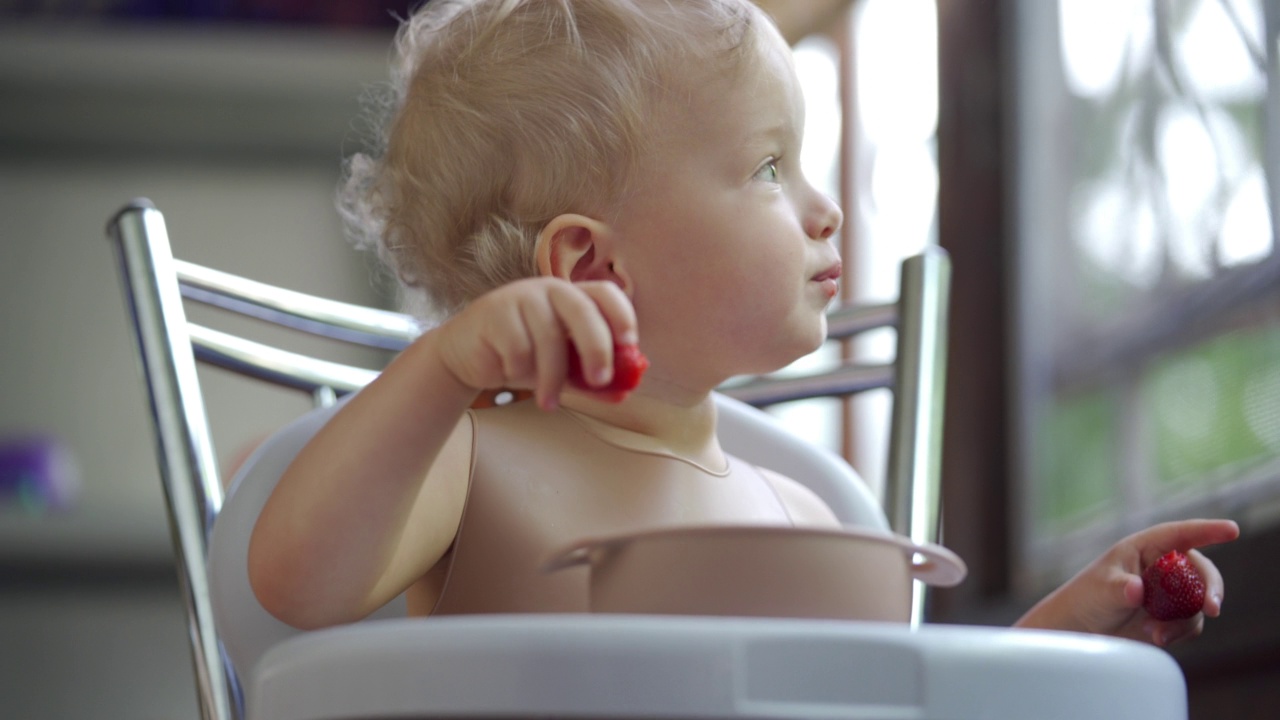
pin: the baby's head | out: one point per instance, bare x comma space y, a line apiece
507, 113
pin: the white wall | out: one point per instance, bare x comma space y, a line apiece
69, 363
237, 138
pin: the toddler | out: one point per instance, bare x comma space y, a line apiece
584, 174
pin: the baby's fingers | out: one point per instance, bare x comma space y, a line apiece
549, 355
1213, 583
1184, 535
1168, 632
550, 370
615, 307
590, 333
1164, 634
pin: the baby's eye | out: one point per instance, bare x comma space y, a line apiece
768, 172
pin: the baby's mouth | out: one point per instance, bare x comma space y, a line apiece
831, 273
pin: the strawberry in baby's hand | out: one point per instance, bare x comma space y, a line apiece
1172, 588
628, 365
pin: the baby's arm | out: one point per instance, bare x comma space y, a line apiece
1106, 597
374, 499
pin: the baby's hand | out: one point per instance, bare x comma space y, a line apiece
519, 336
1172, 588
1107, 596
629, 365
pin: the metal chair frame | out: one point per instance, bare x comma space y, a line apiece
156, 284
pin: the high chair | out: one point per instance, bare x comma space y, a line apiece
250, 665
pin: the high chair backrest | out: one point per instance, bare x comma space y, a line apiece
230, 630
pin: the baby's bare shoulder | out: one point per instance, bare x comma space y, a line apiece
803, 504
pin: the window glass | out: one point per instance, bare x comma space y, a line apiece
1148, 311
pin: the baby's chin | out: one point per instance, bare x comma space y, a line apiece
804, 347
783, 360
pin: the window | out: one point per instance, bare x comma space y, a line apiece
1148, 282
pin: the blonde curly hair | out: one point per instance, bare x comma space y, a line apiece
502, 114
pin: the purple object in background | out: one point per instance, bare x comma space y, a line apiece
37, 474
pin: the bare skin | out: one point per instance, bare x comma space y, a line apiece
372, 504
1106, 596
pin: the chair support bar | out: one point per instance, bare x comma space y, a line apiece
844, 380
849, 320
156, 283
185, 457
308, 313
390, 330
263, 362
914, 479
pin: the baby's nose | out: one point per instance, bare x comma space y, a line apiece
825, 219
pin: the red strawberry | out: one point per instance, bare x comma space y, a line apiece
1172, 588
628, 365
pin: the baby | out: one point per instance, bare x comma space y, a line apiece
585, 174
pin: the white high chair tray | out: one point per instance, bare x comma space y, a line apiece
625, 667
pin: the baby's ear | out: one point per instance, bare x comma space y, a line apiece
575, 247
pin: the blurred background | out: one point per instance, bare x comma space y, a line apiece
1103, 173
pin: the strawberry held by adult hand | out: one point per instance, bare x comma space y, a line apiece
1172, 588
629, 365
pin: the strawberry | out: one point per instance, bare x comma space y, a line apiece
628, 365
1172, 588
